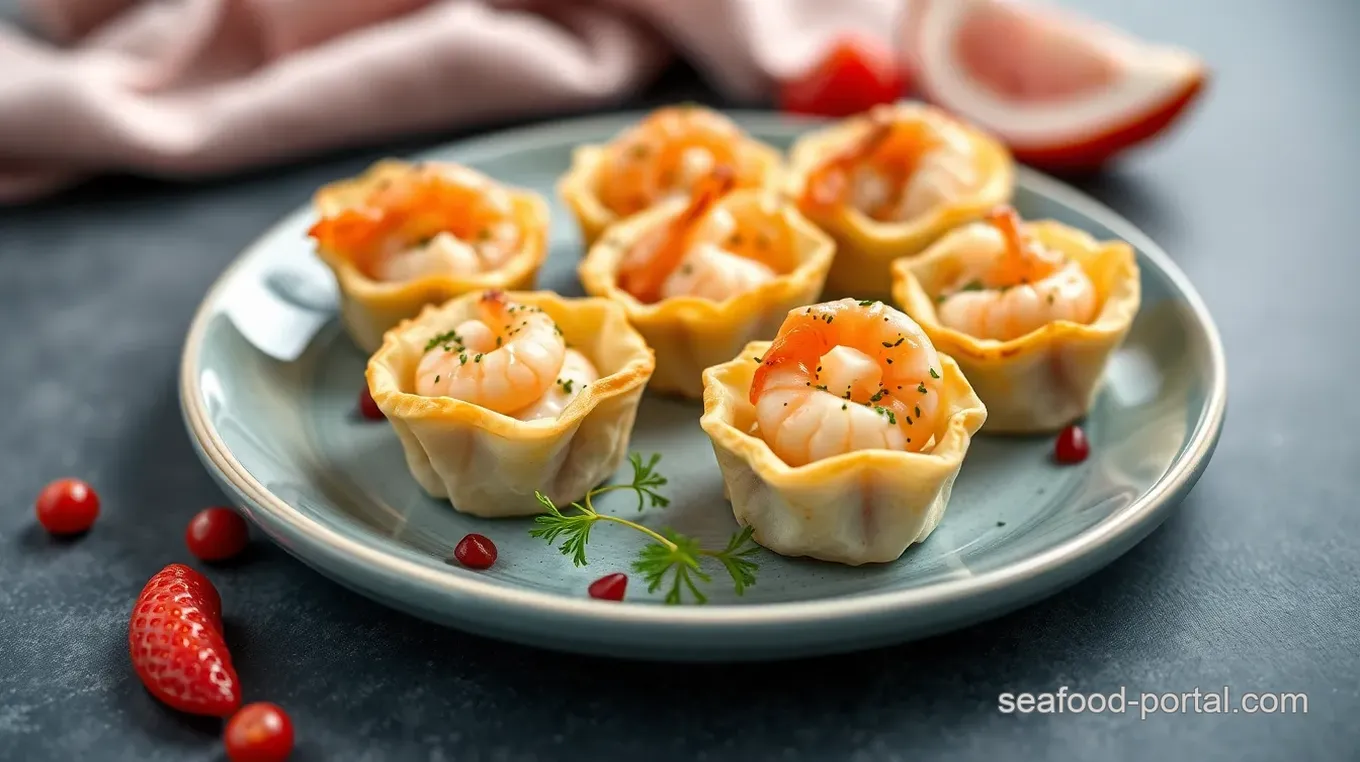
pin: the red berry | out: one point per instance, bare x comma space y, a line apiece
367, 407
610, 587
1072, 445
475, 552
67, 506
855, 74
216, 534
175, 639
260, 732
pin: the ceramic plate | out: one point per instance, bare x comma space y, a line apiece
268, 389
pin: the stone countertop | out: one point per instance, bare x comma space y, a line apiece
1250, 585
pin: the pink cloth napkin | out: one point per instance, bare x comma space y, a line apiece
192, 87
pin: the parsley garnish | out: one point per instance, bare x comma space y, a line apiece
446, 338
670, 559
867, 303
921, 387
933, 374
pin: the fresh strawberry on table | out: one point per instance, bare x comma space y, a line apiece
175, 639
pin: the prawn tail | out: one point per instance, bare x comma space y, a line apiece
1007, 221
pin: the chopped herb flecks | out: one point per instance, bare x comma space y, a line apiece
921, 387
933, 374
447, 338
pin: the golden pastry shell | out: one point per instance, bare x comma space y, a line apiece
369, 307
489, 464
689, 333
1050, 377
861, 507
866, 247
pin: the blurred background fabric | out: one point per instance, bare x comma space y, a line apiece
193, 87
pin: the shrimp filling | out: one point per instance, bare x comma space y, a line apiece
441, 220
706, 251
1011, 285
899, 170
509, 358
846, 376
665, 155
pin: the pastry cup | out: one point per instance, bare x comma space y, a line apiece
577, 186
1050, 377
861, 507
488, 464
689, 333
865, 247
369, 307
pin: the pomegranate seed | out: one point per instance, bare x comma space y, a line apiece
216, 534
67, 506
368, 408
260, 732
610, 587
1072, 446
475, 552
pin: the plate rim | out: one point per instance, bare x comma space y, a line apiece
1131, 522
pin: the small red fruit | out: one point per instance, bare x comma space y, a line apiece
260, 732
1072, 445
609, 587
856, 73
216, 534
475, 552
175, 639
368, 408
67, 506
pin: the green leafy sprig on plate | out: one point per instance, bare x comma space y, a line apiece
670, 559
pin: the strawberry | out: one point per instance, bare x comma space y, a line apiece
175, 638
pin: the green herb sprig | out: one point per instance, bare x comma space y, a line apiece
670, 559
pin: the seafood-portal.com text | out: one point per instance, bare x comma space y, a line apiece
1147, 703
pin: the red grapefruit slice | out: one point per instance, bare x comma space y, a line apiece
1061, 91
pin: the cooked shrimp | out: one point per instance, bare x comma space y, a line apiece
576, 374
897, 170
441, 220
845, 376
1012, 285
666, 154
690, 254
503, 360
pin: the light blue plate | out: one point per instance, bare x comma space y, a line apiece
281, 436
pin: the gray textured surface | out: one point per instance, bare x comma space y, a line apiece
1251, 585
